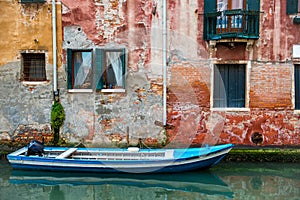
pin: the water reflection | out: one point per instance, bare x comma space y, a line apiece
156, 185
261, 180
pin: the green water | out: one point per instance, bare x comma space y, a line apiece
225, 181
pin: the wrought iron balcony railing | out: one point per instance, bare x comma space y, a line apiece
231, 24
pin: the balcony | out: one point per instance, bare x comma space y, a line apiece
241, 24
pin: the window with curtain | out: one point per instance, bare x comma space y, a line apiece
106, 72
229, 86
80, 69
229, 21
110, 67
34, 67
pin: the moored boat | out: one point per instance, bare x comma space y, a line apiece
130, 160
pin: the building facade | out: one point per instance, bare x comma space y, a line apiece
230, 67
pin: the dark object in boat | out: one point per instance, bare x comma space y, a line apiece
35, 148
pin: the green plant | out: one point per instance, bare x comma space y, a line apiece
58, 117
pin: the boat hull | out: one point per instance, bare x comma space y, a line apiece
182, 163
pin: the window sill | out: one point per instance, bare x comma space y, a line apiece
112, 90
80, 90
297, 112
33, 83
231, 109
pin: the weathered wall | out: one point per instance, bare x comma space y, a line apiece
269, 117
25, 107
107, 118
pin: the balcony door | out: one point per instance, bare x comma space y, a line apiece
230, 17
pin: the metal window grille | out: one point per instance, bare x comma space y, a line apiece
34, 67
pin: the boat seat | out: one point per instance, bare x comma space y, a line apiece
66, 153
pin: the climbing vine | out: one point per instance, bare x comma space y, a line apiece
58, 117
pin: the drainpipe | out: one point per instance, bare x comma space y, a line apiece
164, 62
55, 91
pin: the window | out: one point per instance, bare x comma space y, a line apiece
107, 73
292, 7
297, 86
110, 68
33, 67
79, 69
230, 21
229, 86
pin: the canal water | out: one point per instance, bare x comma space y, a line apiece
242, 181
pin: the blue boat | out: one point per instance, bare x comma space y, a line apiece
129, 160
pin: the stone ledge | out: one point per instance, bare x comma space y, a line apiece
264, 154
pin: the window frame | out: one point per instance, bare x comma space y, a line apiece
101, 70
71, 70
98, 63
40, 65
245, 92
297, 87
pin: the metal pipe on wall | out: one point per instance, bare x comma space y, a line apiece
54, 47
164, 62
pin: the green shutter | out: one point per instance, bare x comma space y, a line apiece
210, 6
123, 59
253, 19
297, 87
229, 86
99, 69
220, 85
69, 68
253, 5
236, 86
291, 7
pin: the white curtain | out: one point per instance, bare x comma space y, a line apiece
222, 5
114, 59
84, 69
237, 4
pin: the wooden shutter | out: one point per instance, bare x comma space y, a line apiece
123, 59
229, 86
69, 69
291, 7
210, 6
253, 5
99, 69
297, 87
236, 86
220, 85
